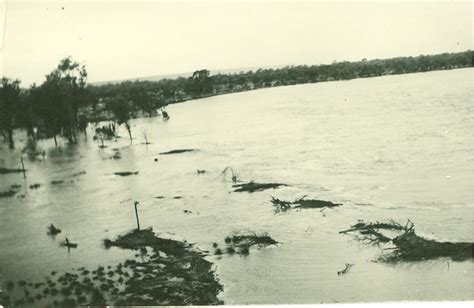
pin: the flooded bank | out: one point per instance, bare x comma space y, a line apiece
381, 147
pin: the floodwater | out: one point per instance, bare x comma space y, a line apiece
392, 147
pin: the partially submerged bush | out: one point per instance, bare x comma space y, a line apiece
241, 242
53, 231
408, 246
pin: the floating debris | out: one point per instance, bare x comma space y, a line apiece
199, 171
68, 244
408, 246
251, 187
126, 173
301, 203
78, 173
57, 182
232, 172
179, 151
346, 269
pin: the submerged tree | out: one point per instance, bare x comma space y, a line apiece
9, 101
122, 111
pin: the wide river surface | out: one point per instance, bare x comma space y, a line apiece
392, 147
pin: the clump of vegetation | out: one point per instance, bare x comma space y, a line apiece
251, 186
35, 186
241, 242
126, 173
407, 245
53, 231
301, 203
4, 170
178, 151
57, 182
82, 172
122, 110
107, 131
162, 281
7, 194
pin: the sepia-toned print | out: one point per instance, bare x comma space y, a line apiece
235, 152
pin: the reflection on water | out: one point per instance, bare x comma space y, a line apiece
389, 147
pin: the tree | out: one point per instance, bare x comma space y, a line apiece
122, 111
201, 82
25, 116
59, 99
9, 101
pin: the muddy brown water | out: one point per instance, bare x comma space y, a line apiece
387, 147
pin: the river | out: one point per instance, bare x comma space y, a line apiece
392, 147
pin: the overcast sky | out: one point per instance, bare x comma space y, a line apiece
126, 40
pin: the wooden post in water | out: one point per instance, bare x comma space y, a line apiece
23, 167
136, 214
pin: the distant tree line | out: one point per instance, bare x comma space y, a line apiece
64, 103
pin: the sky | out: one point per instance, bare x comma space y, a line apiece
120, 40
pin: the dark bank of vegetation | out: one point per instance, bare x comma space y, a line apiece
64, 104
301, 203
407, 246
166, 272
